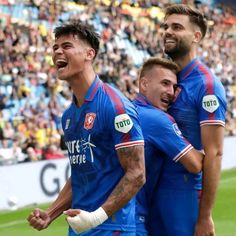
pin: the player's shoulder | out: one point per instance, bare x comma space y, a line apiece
69, 110
67, 114
115, 99
153, 116
205, 74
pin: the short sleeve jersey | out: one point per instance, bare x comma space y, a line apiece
163, 140
93, 132
200, 101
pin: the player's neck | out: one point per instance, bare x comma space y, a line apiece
183, 61
81, 85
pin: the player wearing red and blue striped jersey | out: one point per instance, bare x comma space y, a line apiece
163, 140
105, 123
199, 110
104, 142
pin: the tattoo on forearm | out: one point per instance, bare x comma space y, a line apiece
132, 161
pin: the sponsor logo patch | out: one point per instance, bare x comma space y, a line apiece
176, 129
67, 123
210, 103
123, 123
89, 120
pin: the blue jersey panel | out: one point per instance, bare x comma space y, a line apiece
163, 141
201, 100
174, 213
105, 122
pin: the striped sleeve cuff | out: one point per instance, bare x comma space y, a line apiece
212, 122
129, 144
181, 154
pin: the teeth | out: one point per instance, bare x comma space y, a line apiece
60, 61
169, 41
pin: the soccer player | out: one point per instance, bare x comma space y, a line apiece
200, 106
104, 142
163, 141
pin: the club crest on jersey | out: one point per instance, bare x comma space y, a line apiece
123, 123
210, 103
89, 120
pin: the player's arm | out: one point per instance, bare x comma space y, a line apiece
212, 139
192, 161
132, 161
40, 219
62, 203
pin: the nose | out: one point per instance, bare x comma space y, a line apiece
58, 50
167, 32
171, 91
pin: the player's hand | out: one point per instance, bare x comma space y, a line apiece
205, 227
39, 219
81, 221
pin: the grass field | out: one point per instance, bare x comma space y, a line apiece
14, 223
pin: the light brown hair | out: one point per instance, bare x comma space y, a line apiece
157, 61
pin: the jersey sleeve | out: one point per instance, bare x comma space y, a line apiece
122, 119
167, 137
211, 101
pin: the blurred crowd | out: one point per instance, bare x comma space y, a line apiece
32, 99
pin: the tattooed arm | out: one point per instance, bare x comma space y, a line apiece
132, 161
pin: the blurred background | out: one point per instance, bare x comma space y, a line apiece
33, 163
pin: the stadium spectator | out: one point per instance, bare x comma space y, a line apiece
53, 152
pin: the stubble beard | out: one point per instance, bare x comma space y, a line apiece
180, 50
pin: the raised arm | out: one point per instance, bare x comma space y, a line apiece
40, 219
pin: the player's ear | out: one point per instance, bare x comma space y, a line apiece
90, 54
197, 36
143, 83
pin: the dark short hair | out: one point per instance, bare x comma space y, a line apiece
195, 16
83, 31
157, 61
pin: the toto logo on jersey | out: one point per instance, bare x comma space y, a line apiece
123, 123
89, 120
210, 103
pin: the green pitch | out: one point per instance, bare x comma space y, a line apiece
14, 223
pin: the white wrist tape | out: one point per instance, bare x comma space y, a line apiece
87, 220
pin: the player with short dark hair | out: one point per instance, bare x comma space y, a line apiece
104, 142
199, 110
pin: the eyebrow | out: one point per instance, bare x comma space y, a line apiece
63, 44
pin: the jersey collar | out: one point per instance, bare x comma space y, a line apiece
93, 89
143, 100
183, 74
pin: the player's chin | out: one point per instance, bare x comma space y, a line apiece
164, 107
61, 76
168, 48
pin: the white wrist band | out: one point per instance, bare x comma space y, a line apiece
99, 216
87, 220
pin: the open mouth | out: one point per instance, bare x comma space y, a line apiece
166, 101
169, 41
61, 64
